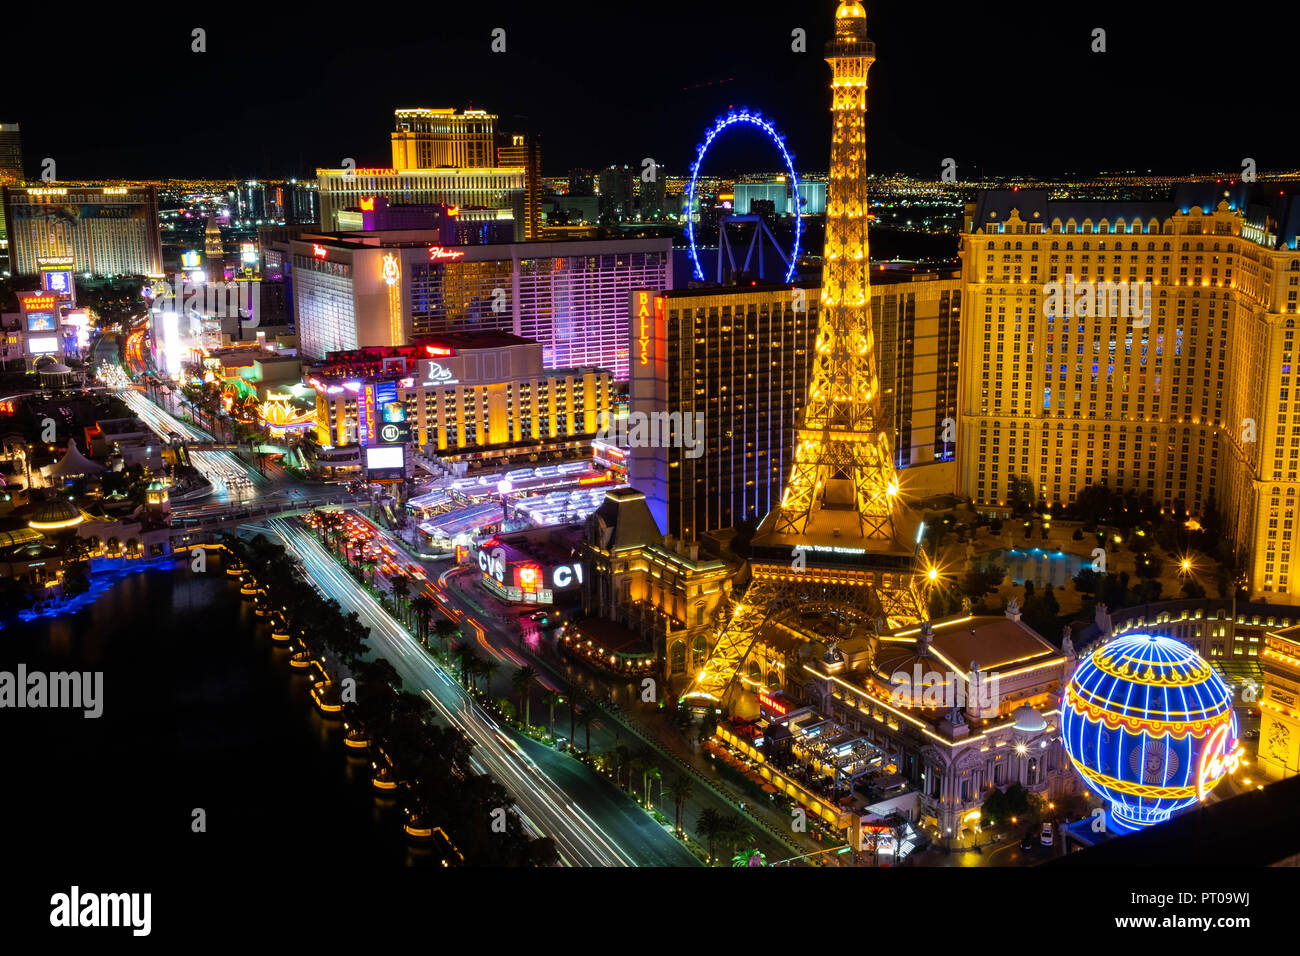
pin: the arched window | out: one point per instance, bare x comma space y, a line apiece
677, 658
699, 650
1056, 245
755, 672
699, 613
774, 679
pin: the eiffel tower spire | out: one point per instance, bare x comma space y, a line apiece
841, 519
842, 455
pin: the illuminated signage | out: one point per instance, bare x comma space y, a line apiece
42, 345
593, 480
189, 259
439, 350
566, 574
366, 415
527, 577
437, 374
1216, 761
453, 210
368, 204
438, 252
643, 325
40, 322
493, 564
768, 702
390, 270
318, 251
57, 282
37, 302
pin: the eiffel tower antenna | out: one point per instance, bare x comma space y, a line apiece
841, 537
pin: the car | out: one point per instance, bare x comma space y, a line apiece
1027, 841
1046, 838
1251, 734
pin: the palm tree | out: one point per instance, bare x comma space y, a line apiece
465, 655
446, 630
550, 699
648, 774
401, 588
709, 825
584, 719
487, 668
523, 682
680, 790
423, 607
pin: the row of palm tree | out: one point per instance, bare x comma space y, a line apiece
431, 762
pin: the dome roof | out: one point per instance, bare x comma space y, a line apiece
55, 513
1029, 720
58, 368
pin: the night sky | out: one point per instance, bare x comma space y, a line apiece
1004, 88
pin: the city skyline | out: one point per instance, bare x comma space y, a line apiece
475, 501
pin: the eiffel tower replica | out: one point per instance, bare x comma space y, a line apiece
841, 540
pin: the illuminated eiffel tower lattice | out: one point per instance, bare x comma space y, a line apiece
841, 539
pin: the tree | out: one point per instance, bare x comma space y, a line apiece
550, 699
1020, 494
423, 608
709, 825
680, 790
522, 682
584, 719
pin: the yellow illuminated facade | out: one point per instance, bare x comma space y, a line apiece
429, 138
553, 411
1186, 403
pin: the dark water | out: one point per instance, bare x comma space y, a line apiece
200, 710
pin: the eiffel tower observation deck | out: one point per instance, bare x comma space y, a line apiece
842, 542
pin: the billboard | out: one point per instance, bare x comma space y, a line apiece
43, 345
393, 427
385, 462
40, 321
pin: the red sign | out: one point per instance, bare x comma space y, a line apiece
439, 350
38, 301
438, 252
768, 702
318, 251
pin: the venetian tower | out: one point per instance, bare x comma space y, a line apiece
841, 540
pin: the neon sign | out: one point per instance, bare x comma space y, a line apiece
31, 302
390, 270
368, 204
768, 702
439, 350
438, 252
318, 251
1216, 761
643, 316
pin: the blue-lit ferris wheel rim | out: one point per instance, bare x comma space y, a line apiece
722, 122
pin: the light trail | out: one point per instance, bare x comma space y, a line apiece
578, 839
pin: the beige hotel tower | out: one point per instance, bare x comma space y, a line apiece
1175, 378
